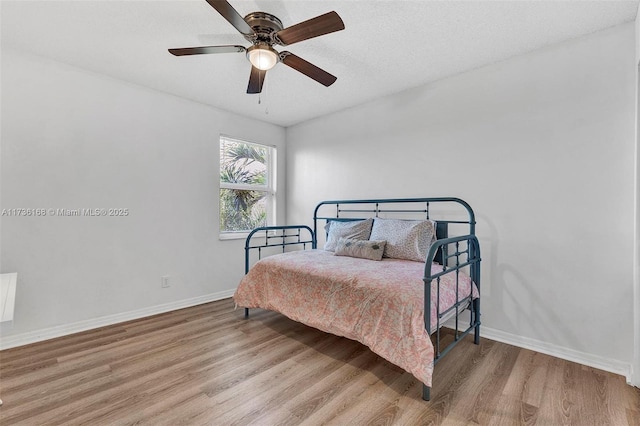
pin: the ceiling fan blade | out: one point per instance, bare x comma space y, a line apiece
230, 14
256, 79
206, 49
307, 68
314, 27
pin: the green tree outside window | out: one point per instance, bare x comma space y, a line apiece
245, 185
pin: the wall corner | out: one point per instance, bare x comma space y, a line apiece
635, 371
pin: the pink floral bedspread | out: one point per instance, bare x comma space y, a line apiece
378, 303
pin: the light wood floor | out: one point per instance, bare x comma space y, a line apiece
207, 365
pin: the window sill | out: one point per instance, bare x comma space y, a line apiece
233, 236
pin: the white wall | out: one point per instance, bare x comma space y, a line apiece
73, 139
542, 146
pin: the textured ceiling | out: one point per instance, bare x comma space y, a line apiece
387, 46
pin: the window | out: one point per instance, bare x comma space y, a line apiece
247, 189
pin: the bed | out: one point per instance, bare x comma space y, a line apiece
389, 274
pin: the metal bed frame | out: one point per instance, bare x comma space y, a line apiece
455, 254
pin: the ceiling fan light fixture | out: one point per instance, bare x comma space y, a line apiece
262, 56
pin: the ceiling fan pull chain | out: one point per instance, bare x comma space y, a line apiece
265, 92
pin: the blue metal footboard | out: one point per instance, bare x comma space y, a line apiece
456, 254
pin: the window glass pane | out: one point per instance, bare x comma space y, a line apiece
243, 163
242, 210
246, 193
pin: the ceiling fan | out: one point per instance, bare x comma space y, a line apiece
264, 30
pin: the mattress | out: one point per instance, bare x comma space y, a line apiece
378, 303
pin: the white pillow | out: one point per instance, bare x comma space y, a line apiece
354, 230
406, 239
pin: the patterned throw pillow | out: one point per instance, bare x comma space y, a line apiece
406, 239
355, 230
369, 249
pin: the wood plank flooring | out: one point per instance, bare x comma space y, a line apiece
206, 365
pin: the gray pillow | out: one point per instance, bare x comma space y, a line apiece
364, 249
355, 230
406, 239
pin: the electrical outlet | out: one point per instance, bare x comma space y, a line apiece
164, 281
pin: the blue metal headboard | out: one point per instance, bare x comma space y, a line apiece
420, 207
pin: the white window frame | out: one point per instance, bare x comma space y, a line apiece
269, 188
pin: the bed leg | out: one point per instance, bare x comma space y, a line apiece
476, 334
246, 313
426, 392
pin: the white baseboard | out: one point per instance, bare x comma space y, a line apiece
64, 330
595, 361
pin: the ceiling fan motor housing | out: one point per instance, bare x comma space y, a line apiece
265, 25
